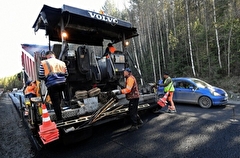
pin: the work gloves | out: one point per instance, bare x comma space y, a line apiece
116, 91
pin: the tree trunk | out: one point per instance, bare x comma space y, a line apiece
189, 39
136, 59
173, 17
216, 33
167, 30
150, 48
229, 50
206, 38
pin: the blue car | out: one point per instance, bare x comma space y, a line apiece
196, 91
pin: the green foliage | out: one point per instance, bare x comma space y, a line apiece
168, 19
173, 41
111, 9
8, 83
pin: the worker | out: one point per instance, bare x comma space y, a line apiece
54, 72
30, 90
109, 50
168, 87
132, 94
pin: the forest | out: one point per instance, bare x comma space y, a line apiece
186, 38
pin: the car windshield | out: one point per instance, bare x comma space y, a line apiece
201, 83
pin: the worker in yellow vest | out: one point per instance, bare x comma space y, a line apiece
168, 87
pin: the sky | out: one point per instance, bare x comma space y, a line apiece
17, 19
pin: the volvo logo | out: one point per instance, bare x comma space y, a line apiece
103, 17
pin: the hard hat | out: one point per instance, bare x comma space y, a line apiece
128, 69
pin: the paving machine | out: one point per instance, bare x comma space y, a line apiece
77, 37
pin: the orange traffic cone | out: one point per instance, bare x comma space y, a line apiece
163, 101
48, 130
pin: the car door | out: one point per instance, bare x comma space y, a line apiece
184, 92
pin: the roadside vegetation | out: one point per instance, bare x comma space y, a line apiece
11, 82
187, 38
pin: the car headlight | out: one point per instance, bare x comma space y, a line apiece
215, 93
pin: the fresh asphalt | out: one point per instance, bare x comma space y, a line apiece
191, 132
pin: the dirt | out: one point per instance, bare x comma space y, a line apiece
14, 140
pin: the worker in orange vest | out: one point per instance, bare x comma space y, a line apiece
132, 95
54, 72
30, 90
109, 50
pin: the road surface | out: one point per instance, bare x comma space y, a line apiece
191, 132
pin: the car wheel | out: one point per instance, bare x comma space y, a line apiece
205, 102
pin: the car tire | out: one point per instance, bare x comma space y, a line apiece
205, 102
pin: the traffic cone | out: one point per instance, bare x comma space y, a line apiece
48, 130
163, 101
47, 137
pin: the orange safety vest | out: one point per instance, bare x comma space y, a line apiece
112, 49
131, 89
53, 66
55, 71
30, 89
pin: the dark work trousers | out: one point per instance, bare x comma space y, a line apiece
55, 93
133, 111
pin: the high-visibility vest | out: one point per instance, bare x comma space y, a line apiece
30, 89
53, 65
131, 89
170, 86
112, 49
54, 71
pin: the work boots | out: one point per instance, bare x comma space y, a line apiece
135, 127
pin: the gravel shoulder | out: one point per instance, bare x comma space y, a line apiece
14, 140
